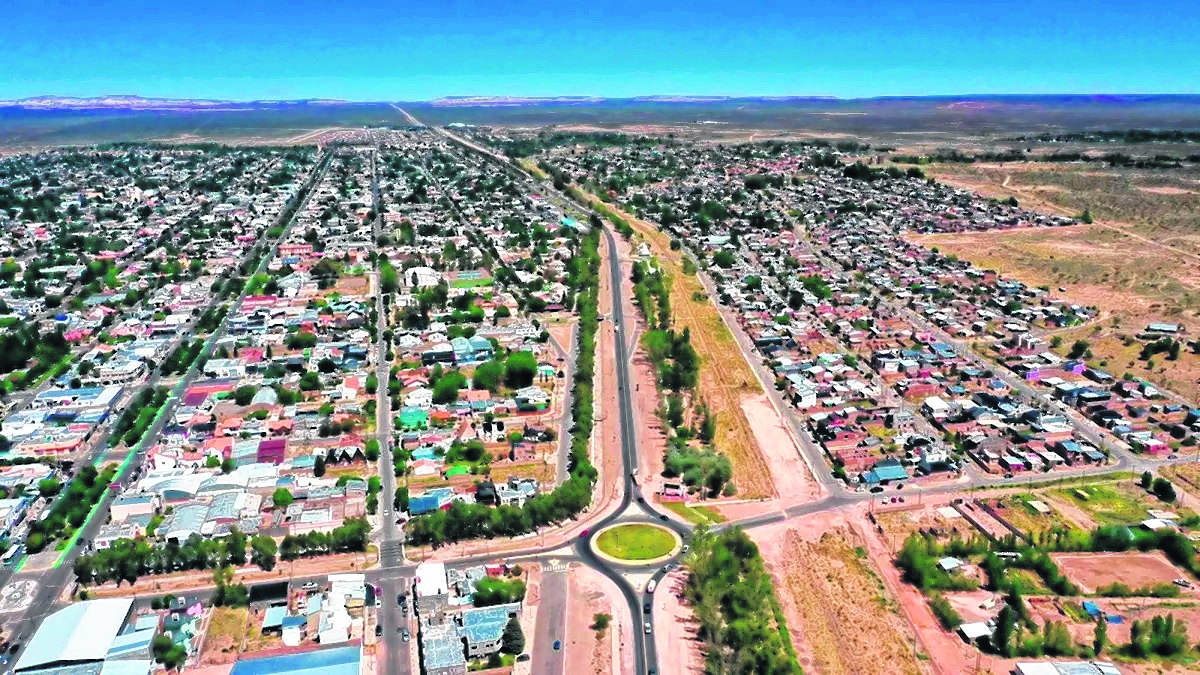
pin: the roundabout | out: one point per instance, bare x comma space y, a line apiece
636, 543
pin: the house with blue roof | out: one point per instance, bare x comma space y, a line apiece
885, 471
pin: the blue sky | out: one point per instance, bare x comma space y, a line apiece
379, 50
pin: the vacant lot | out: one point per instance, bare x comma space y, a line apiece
1139, 263
1121, 503
1092, 570
226, 630
1018, 510
848, 621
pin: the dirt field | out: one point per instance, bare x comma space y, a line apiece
679, 648
794, 483
831, 594
226, 629
721, 387
588, 650
1092, 570
1138, 263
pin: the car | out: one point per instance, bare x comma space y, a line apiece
522, 657
557, 645
663, 518
647, 628
583, 535
405, 636
400, 599
310, 586
641, 499
877, 489
685, 548
1008, 475
899, 486
646, 607
378, 630
652, 671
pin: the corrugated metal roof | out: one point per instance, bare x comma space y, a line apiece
80, 632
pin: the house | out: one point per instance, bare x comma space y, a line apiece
531, 399
885, 471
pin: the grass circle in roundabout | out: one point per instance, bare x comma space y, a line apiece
637, 542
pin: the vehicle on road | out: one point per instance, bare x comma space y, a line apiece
557, 645
663, 518
405, 636
522, 657
646, 606
647, 628
685, 548
378, 630
400, 600
309, 586
583, 535
877, 489
652, 585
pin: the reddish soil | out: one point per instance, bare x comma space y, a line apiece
794, 483
588, 650
249, 575
831, 595
1093, 570
679, 648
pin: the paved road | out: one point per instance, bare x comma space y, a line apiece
551, 624
52, 582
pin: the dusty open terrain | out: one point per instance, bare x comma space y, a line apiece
831, 594
1138, 263
721, 387
794, 483
1093, 570
679, 648
588, 650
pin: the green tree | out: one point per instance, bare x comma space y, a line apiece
488, 376
520, 369
513, 640
282, 498
49, 487
1100, 638
244, 395
1147, 480
262, 552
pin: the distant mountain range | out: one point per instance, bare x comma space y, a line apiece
120, 102
129, 102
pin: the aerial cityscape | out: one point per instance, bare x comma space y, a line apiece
642, 340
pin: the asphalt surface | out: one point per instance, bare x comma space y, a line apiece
551, 625
394, 573
52, 582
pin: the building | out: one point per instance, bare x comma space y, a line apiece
337, 661
1065, 668
89, 637
431, 590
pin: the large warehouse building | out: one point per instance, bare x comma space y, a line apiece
89, 638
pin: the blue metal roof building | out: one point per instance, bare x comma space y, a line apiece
336, 661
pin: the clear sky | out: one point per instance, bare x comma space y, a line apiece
377, 50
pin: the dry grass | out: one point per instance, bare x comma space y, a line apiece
848, 620
1139, 263
724, 381
226, 629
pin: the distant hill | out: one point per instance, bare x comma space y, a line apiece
57, 120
